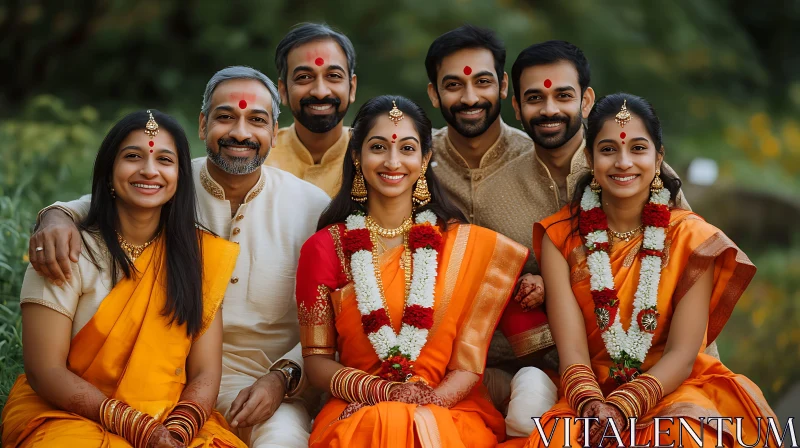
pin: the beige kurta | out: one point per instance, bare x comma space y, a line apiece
259, 310
290, 154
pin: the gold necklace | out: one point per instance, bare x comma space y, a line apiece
373, 226
133, 250
405, 264
626, 236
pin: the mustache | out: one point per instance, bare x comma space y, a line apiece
316, 101
456, 108
233, 142
555, 119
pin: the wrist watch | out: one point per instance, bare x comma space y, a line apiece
291, 373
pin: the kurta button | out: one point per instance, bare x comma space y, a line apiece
178, 371
236, 230
235, 280
478, 177
240, 217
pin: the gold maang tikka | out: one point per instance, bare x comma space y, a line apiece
623, 116
151, 128
395, 114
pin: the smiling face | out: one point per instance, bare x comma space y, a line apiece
239, 130
551, 105
625, 170
318, 86
391, 169
468, 91
145, 177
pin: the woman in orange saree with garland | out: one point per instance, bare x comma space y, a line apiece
411, 331
128, 351
672, 286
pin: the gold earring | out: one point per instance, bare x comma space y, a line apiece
359, 191
657, 183
421, 196
595, 185
113, 193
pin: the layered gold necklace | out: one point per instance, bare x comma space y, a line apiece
625, 236
376, 232
133, 250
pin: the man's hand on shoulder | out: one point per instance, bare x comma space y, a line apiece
257, 403
54, 245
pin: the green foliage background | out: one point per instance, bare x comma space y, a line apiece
722, 74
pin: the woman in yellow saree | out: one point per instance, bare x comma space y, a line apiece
128, 351
407, 294
635, 292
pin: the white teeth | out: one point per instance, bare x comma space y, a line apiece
147, 186
550, 125
623, 179
386, 176
320, 107
471, 111
238, 148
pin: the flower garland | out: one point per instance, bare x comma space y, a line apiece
398, 352
627, 349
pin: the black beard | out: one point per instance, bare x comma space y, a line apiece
320, 124
553, 141
236, 165
471, 128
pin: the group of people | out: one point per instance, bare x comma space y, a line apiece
395, 284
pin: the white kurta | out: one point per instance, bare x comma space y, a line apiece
259, 311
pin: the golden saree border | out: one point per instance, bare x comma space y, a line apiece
686, 410
426, 428
336, 235
699, 261
472, 344
758, 399
451, 275
317, 330
531, 341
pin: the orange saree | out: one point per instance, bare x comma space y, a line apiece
477, 271
130, 352
711, 390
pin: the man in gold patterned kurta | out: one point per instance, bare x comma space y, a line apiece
317, 81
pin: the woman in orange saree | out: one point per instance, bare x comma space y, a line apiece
411, 333
128, 351
673, 282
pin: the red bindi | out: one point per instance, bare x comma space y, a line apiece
151, 143
547, 83
394, 136
151, 151
467, 70
319, 62
622, 135
623, 142
242, 104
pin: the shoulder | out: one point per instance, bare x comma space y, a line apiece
284, 134
517, 139
324, 244
559, 221
295, 189
480, 236
684, 223
439, 134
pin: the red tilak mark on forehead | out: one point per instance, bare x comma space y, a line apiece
151, 143
319, 62
242, 104
623, 142
547, 83
467, 70
622, 135
151, 151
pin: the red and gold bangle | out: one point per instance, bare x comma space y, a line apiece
356, 386
186, 420
580, 386
637, 397
120, 419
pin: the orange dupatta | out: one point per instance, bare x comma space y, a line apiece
476, 273
130, 352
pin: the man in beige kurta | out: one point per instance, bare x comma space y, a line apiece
317, 81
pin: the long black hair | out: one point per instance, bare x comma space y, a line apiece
343, 206
604, 110
182, 250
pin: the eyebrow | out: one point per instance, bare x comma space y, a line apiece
635, 139
162, 150
307, 68
557, 89
382, 138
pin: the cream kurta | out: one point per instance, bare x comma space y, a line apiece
289, 154
259, 311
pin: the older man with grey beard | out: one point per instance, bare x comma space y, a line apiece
269, 213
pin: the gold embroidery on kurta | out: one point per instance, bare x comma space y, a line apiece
210, 185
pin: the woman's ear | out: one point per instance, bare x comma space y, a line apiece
660, 158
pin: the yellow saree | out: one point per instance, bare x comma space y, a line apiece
129, 352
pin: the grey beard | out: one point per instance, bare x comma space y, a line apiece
235, 165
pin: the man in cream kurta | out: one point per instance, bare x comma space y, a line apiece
259, 312
290, 154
